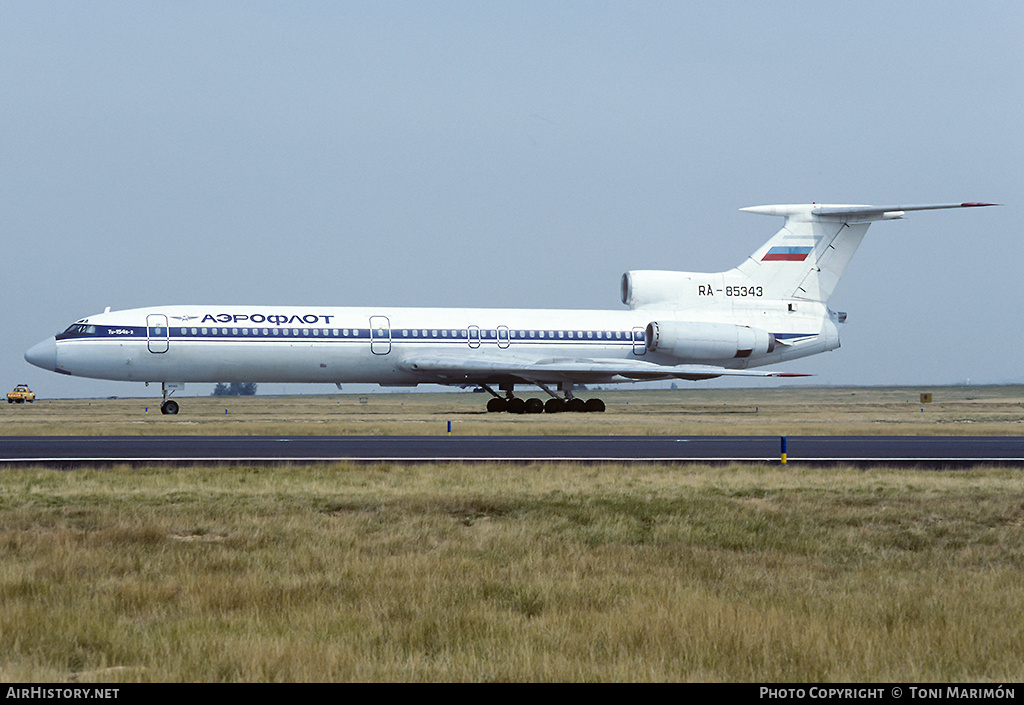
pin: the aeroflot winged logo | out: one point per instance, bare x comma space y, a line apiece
787, 254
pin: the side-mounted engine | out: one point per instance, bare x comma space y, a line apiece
694, 341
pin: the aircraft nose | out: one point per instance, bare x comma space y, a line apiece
43, 354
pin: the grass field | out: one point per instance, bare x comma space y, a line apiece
539, 572
789, 411
546, 572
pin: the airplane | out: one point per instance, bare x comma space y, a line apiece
679, 325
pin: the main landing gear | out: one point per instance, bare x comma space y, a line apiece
516, 405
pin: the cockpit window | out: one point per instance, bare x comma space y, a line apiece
80, 329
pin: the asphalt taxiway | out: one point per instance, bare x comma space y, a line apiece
930, 451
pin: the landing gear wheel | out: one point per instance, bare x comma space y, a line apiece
497, 404
516, 406
594, 405
169, 407
554, 406
576, 404
534, 406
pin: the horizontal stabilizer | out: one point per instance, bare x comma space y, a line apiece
851, 213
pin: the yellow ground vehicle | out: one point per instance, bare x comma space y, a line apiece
21, 394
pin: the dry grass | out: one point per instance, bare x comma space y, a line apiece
538, 572
787, 411
547, 572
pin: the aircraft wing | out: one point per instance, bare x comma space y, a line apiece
455, 369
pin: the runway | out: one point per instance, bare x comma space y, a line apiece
930, 451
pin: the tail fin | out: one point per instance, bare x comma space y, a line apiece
806, 258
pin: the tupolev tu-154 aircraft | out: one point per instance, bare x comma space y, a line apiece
679, 325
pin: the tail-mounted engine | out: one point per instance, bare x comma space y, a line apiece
650, 287
707, 341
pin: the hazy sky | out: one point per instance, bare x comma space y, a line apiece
508, 154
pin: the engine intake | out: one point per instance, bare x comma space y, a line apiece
695, 341
652, 287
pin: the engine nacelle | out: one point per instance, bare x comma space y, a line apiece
647, 287
694, 341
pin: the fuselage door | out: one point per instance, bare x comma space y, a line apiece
503, 336
474, 336
639, 344
380, 335
157, 334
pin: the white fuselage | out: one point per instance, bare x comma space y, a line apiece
382, 345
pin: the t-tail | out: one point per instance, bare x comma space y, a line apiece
802, 262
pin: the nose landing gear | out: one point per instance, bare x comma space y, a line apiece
169, 406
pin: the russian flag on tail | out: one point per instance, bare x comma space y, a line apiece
787, 254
